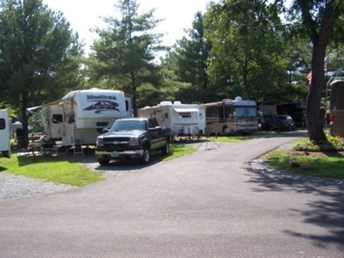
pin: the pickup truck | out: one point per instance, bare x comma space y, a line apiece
132, 138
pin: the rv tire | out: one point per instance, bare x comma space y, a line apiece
103, 162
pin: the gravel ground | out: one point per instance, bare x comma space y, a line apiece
14, 187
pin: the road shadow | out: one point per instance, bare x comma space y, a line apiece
327, 212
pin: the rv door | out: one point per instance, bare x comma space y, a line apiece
55, 123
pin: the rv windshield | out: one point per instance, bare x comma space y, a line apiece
128, 125
245, 111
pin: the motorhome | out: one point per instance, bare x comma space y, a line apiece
5, 134
81, 115
336, 87
230, 116
182, 119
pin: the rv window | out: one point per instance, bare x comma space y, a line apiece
57, 119
185, 115
2, 124
166, 115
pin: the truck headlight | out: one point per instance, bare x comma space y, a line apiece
100, 142
134, 142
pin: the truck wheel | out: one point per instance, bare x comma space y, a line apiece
103, 162
146, 156
166, 149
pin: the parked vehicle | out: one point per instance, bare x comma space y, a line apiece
5, 134
229, 116
132, 138
182, 119
81, 115
336, 86
267, 110
284, 122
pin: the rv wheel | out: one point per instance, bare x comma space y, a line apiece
103, 162
225, 130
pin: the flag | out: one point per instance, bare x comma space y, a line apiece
325, 63
309, 77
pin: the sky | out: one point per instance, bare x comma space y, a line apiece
83, 15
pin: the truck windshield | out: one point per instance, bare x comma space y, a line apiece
129, 125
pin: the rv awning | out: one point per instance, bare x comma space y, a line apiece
186, 110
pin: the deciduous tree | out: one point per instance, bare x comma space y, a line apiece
37, 51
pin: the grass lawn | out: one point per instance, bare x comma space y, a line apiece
310, 160
59, 169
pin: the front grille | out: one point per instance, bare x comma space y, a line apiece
116, 142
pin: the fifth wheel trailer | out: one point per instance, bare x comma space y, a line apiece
81, 115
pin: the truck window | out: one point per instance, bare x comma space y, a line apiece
2, 124
152, 123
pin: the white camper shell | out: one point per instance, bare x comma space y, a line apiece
182, 119
5, 134
81, 115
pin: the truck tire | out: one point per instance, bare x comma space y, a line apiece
166, 149
146, 156
103, 162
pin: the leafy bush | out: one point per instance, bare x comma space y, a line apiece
332, 144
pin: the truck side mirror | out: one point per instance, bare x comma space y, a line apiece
105, 130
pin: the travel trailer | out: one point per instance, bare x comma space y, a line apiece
229, 116
81, 115
182, 119
336, 87
5, 134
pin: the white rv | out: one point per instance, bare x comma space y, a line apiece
182, 119
5, 134
81, 115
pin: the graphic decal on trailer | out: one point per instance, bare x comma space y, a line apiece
102, 103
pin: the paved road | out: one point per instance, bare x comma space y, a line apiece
208, 204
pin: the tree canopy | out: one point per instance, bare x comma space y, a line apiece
38, 52
125, 50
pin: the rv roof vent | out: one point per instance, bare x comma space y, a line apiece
165, 103
238, 98
177, 102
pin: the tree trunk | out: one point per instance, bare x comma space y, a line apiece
24, 140
314, 118
133, 90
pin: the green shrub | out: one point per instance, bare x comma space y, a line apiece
332, 144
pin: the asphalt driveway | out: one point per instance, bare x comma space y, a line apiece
208, 204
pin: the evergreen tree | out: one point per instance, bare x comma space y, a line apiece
125, 51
